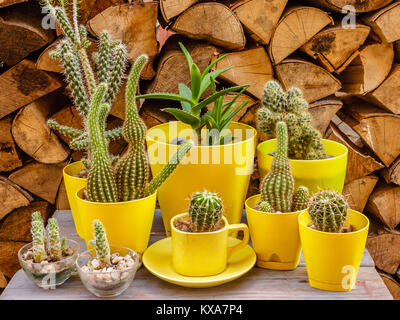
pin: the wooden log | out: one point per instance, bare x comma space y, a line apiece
315, 82
259, 17
296, 27
6, 3
384, 204
33, 136
10, 158
387, 95
17, 225
3, 281
322, 112
152, 115
335, 46
251, 67
358, 191
43, 180
359, 6
68, 116
21, 32
9, 264
382, 245
134, 24
359, 163
12, 196
392, 174
62, 200
391, 284
385, 22
369, 69
23, 84
213, 22
171, 8
397, 50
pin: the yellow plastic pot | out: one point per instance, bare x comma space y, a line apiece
333, 259
275, 237
202, 254
316, 175
127, 223
72, 185
224, 169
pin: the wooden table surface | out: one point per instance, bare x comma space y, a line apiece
256, 284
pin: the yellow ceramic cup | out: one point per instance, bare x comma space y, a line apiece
316, 175
275, 237
333, 259
224, 169
72, 185
202, 254
127, 223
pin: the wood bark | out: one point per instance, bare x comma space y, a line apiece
23, 84
369, 69
296, 27
391, 284
392, 174
12, 196
10, 158
6, 3
9, 264
322, 112
358, 191
3, 281
171, 8
152, 115
62, 200
397, 50
335, 47
251, 67
315, 82
359, 6
259, 17
213, 22
33, 136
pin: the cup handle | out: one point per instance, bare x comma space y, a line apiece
244, 242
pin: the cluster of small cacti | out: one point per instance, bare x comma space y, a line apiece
277, 187
304, 140
43, 247
205, 211
101, 244
328, 211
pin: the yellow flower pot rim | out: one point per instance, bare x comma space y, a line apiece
299, 160
207, 232
70, 164
272, 213
346, 234
111, 203
196, 146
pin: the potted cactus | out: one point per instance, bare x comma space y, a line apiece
272, 215
106, 271
316, 163
223, 157
333, 238
48, 260
203, 232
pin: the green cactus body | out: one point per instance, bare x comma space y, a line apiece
300, 199
205, 211
54, 247
304, 140
266, 207
277, 186
37, 230
101, 243
328, 211
63, 246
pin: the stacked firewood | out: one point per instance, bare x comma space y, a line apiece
347, 66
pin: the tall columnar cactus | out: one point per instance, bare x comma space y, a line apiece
277, 187
328, 211
205, 211
101, 243
38, 238
54, 247
304, 140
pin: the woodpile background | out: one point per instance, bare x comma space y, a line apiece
350, 76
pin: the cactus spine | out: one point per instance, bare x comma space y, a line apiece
328, 211
304, 140
205, 211
38, 237
277, 187
54, 247
101, 243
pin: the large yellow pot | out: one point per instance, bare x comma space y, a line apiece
202, 254
127, 223
316, 175
224, 169
275, 237
333, 259
72, 185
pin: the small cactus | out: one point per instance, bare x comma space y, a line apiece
328, 211
38, 238
101, 243
265, 207
205, 211
54, 246
300, 199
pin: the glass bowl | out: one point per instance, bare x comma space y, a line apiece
107, 283
49, 274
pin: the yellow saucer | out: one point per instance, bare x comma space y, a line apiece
158, 260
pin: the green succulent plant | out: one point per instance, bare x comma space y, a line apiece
101, 244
